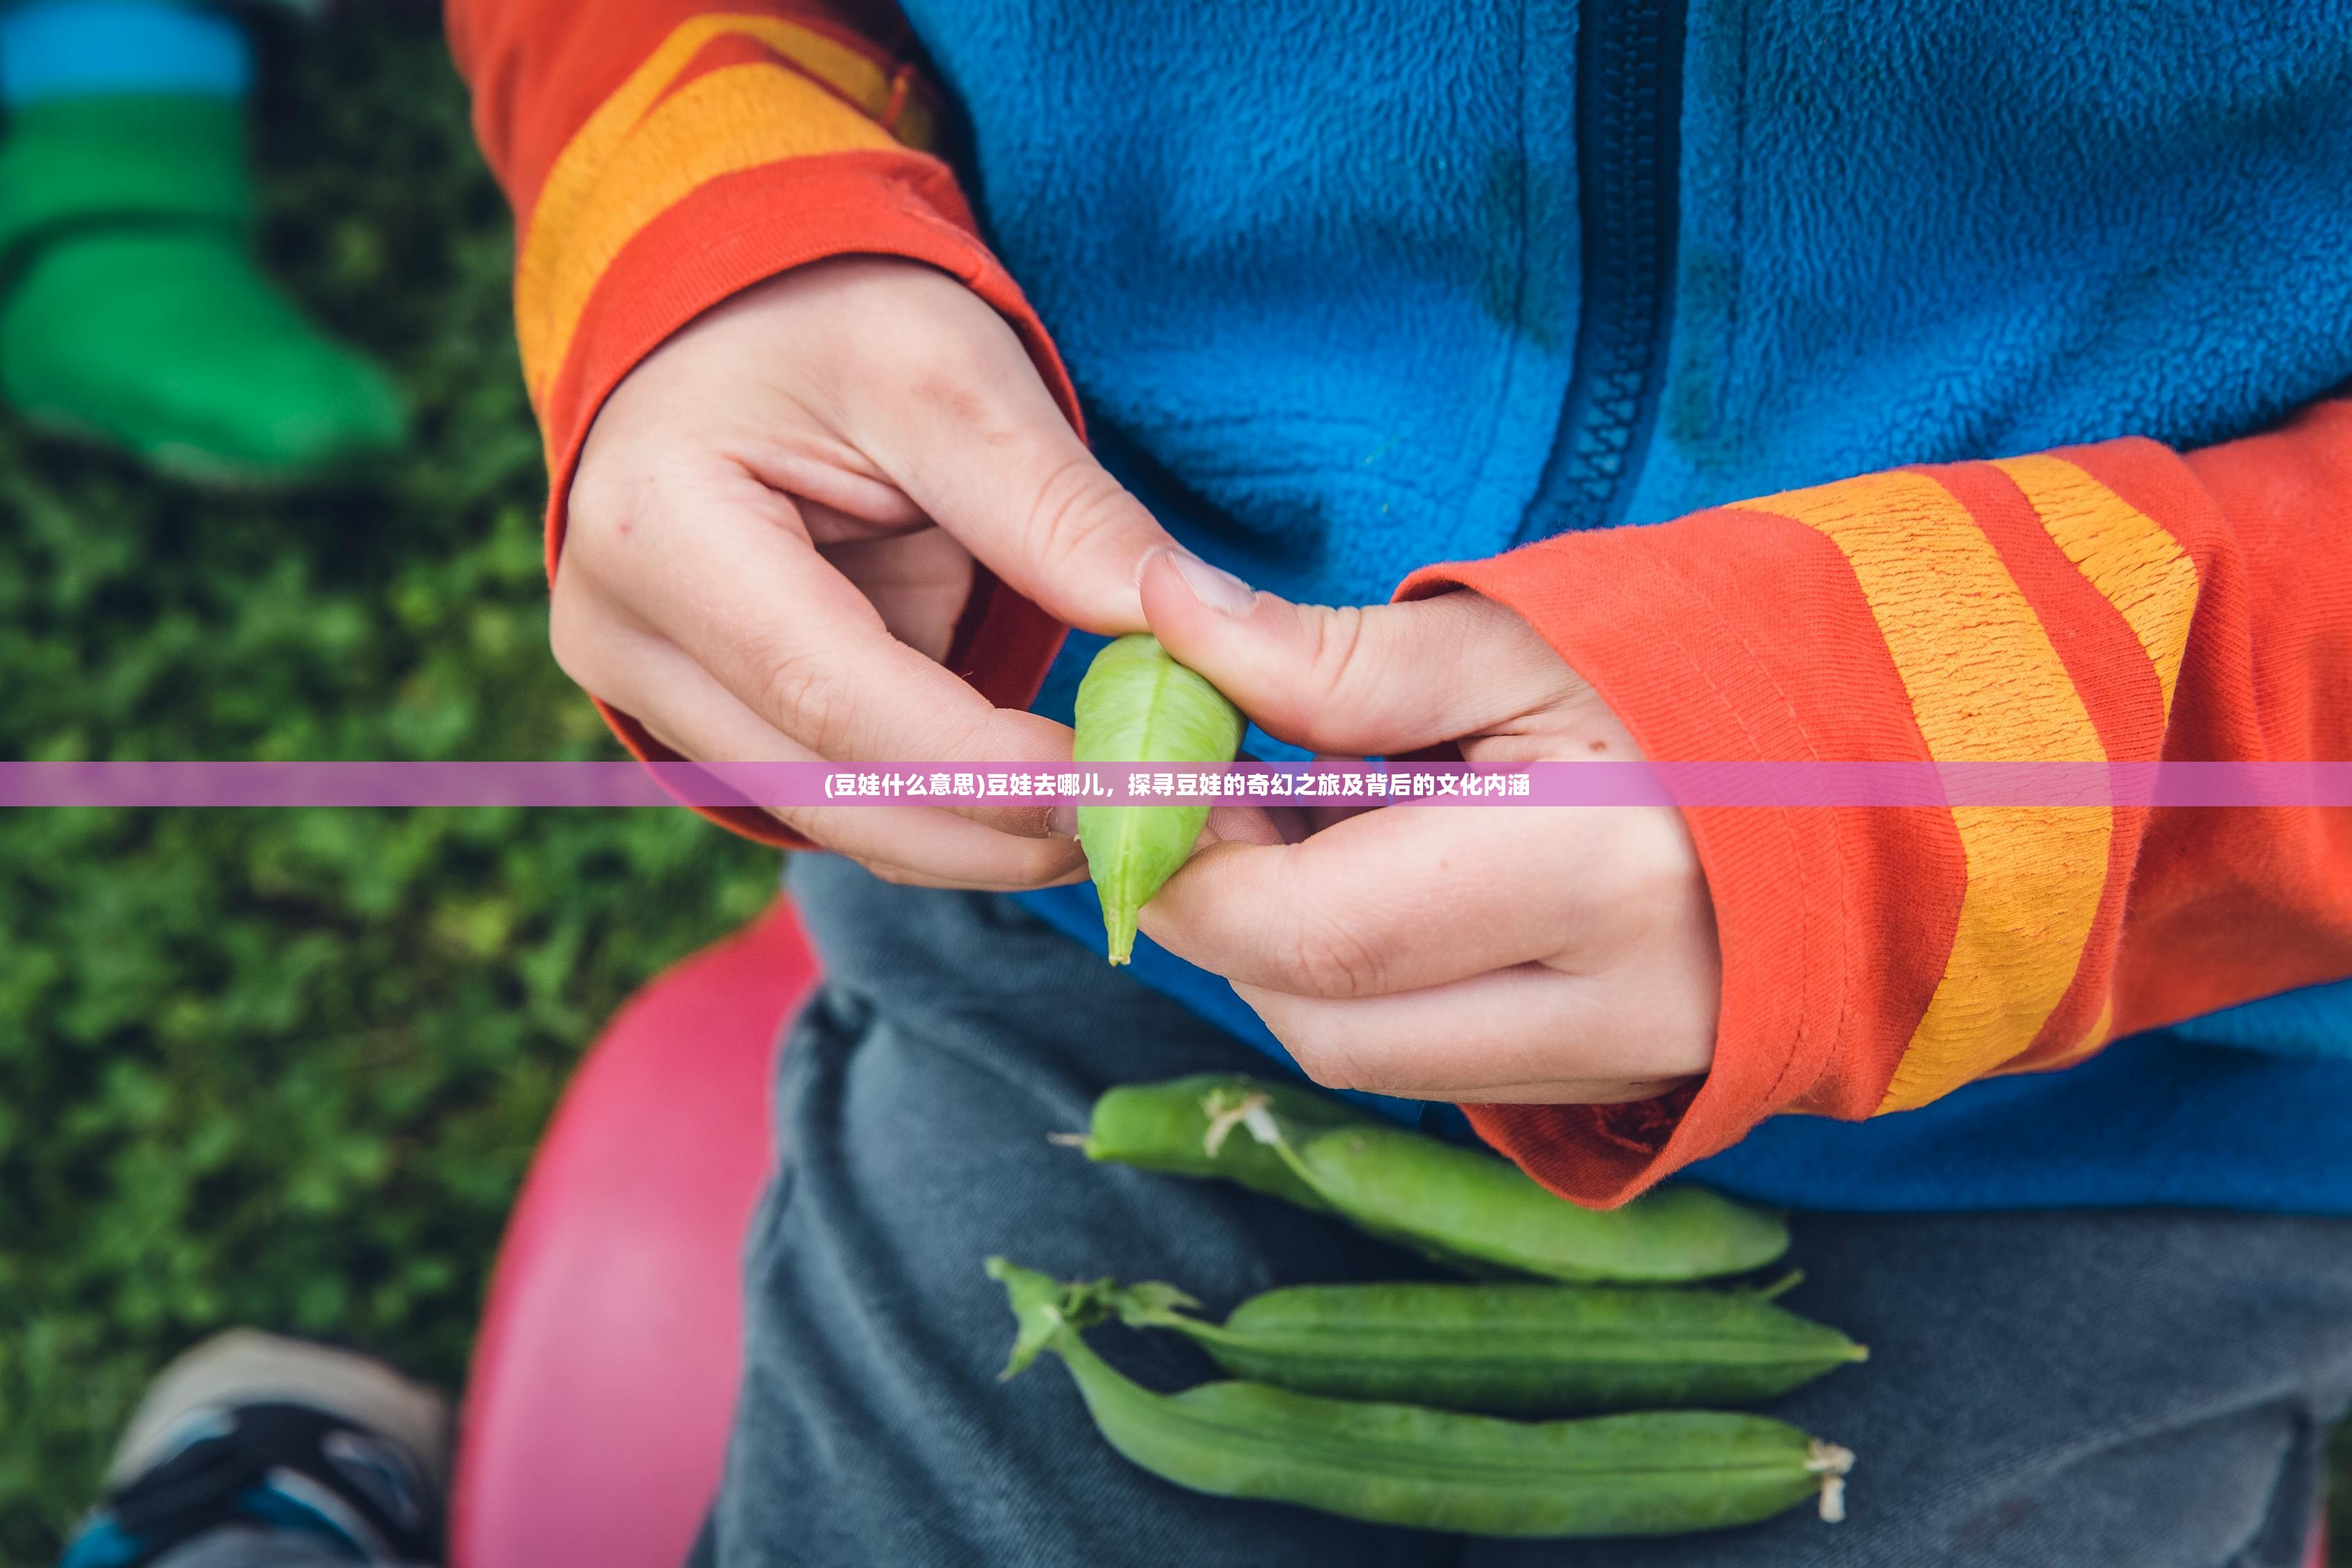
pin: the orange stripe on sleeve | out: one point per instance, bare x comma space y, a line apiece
2118, 602
2118, 591
1986, 685
735, 117
2100, 1030
663, 156
2127, 555
668, 131
1832, 954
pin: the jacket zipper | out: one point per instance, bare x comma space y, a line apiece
1628, 62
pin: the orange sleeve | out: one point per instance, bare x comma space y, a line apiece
2112, 602
662, 155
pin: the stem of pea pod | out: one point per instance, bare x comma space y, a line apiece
1830, 1462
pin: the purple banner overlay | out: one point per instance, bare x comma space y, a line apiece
1337, 783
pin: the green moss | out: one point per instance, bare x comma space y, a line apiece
286, 1068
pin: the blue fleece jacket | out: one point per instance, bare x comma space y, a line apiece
1349, 287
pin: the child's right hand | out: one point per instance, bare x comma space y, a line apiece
773, 531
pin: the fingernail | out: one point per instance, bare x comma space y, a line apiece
1062, 822
1220, 591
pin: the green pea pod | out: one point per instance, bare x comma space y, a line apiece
1191, 1127
1659, 1473
1423, 1193
1508, 1349
1137, 705
1174, 1126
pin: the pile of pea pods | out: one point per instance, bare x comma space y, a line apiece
1438, 1406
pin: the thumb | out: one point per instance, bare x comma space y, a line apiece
1359, 680
981, 445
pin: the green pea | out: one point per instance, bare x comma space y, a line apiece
1426, 1193
1137, 705
1508, 1349
1658, 1473
1169, 1126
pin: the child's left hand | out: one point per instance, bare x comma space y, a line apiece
1531, 954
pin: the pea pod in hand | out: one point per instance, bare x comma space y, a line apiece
1138, 705
1659, 1473
1507, 1349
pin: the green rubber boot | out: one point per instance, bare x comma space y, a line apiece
134, 310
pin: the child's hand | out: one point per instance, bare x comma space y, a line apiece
773, 533
1500, 955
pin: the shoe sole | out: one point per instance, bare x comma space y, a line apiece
244, 1367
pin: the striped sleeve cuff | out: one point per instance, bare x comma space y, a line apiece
741, 147
720, 96
1874, 959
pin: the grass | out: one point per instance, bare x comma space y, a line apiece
286, 1068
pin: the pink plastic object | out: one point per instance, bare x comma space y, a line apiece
596, 1415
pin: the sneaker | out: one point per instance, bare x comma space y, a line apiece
249, 1432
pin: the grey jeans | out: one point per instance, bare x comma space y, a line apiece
2045, 1390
